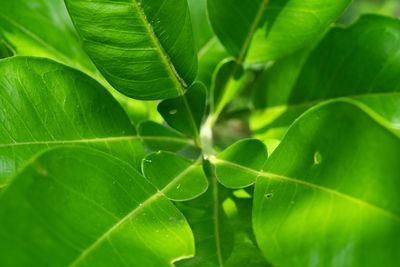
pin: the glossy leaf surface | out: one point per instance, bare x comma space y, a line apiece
269, 29
159, 137
237, 165
185, 178
328, 194
82, 207
144, 48
44, 104
185, 113
361, 62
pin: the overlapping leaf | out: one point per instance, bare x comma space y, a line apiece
361, 62
237, 166
180, 178
44, 104
269, 29
82, 207
221, 224
328, 194
144, 48
35, 27
185, 113
158, 137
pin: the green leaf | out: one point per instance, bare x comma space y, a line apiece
159, 137
209, 57
221, 224
224, 88
210, 50
82, 207
328, 195
237, 165
361, 62
45, 104
269, 29
42, 28
144, 48
5, 50
202, 29
22, 22
185, 113
180, 178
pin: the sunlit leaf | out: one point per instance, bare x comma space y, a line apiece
328, 195
42, 28
82, 207
185, 178
237, 166
361, 62
43, 104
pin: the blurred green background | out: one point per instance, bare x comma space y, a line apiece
358, 7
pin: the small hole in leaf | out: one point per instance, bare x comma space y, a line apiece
317, 158
172, 111
269, 195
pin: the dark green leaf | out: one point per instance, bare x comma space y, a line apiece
224, 88
144, 48
270, 29
159, 137
222, 228
185, 113
328, 195
202, 28
361, 62
44, 104
81, 207
237, 165
5, 50
181, 179
209, 57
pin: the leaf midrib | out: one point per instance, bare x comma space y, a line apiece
98, 140
113, 228
311, 185
175, 77
159, 193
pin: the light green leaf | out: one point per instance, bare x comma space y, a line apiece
82, 207
236, 166
23, 22
269, 29
179, 178
42, 28
144, 48
328, 195
45, 104
159, 137
186, 113
361, 62
221, 224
